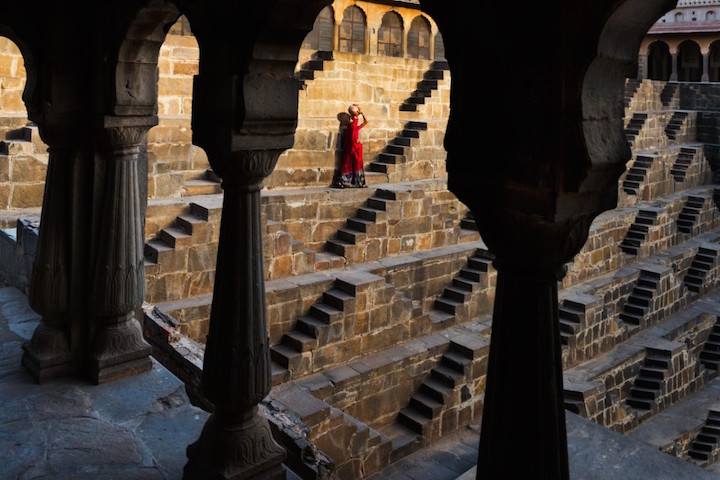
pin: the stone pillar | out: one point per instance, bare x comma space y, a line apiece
642, 66
674, 65
705, 78
48, 353
117, 280
236, 442
525, 365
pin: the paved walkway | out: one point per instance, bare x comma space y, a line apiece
138, 429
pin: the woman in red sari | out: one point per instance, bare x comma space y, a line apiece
351, 173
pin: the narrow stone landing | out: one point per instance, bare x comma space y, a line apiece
138, 428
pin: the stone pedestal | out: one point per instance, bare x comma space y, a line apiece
48, 354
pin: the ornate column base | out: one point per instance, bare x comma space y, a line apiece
232, 450
47, 355
119, 351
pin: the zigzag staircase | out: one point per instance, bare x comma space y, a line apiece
571, 315
689, 214
672, 129
316, 64
683, 161
396, 151
640, 299
704, 261
710, 354
371, 221
638, 231
445, 388
632, 130
637, 174
426, 86
668, 93
706, 446
454, 303
631, 87
650, 381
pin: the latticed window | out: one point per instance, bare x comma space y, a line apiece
321, 36
351, 38
418, 41
390, 35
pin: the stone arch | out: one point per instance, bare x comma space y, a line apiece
418, 42
710, 16
659, 61
353, 31
321, 36
390, 35
689, 61
135, 75
714, 62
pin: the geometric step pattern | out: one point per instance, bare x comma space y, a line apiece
650, 381
640, 300
468, 222
571, 314
668, 93
704, 261
426, 86
394, 152
638, 231
706, 447
315, 64
634, 126
689, 214
675, 124
682, 162
455, 299
321, 326
710, 354
436, 392
637, 174
631, 88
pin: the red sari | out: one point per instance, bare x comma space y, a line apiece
352, 173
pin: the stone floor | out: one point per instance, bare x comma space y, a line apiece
138, 428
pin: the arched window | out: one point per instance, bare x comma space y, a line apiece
390, 35
689, 62
321, 36
439, 47
679, 16
352, 31
418, 41
711, 16
714, 62
659, 62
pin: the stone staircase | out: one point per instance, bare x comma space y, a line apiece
675, 124
690, 213
705, 447
703, 269
668, 93
637, 174
391, 161
307, 70
685, 158
632, 130
640, 301
638, 231
650, 382
426, 86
